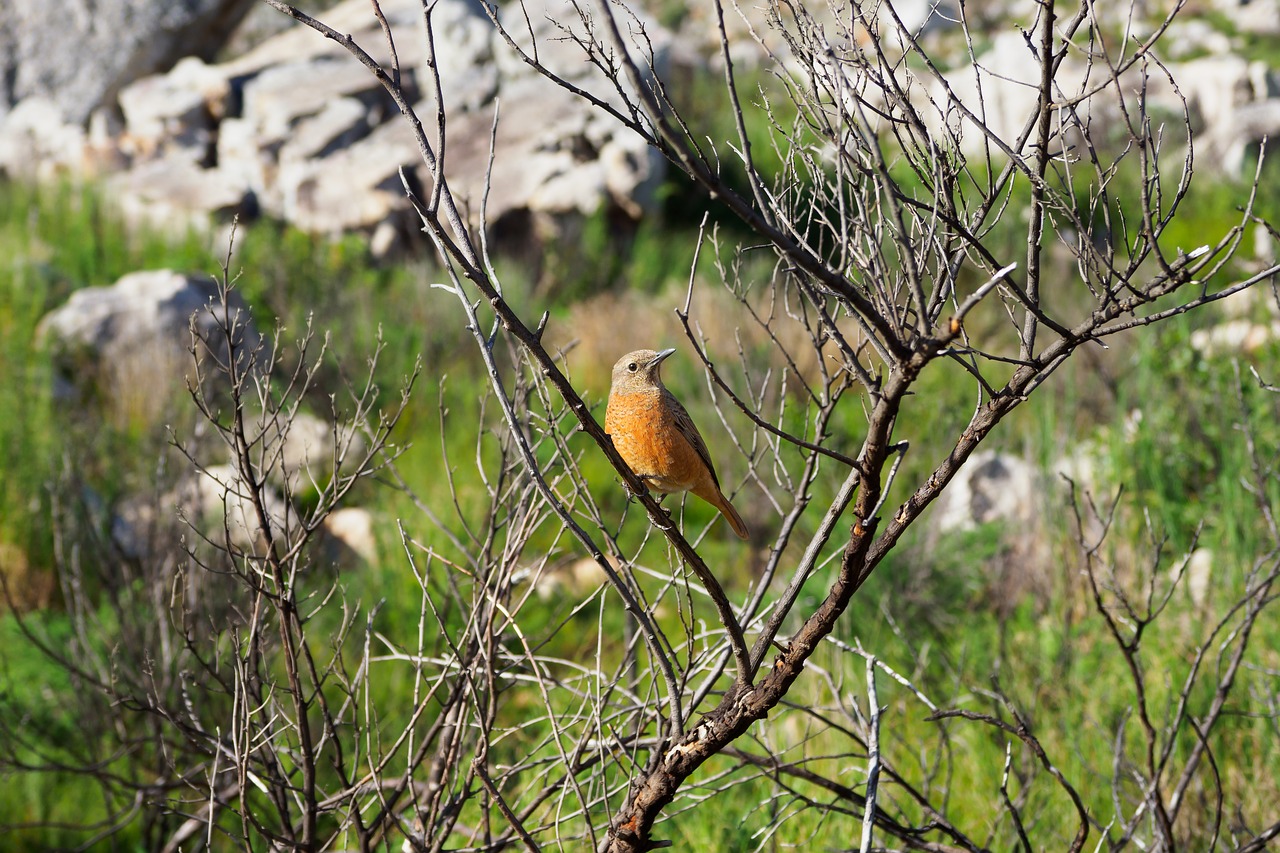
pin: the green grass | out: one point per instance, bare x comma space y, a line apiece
927, 612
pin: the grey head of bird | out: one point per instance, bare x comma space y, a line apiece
637, 371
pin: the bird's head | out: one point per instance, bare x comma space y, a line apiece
638, 371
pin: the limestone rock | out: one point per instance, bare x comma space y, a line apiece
217, 496
1234, 337
174, 114
37, 142
78, 55
1261, 17
552, 30
464, 39
130, 341
297, 42
298, 128
304, 455
350, 537
1199, 575
1245, 129
354, 188
572, 577
175, 194
990, 486
214, 501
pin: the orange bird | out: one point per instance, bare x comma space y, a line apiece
656, 437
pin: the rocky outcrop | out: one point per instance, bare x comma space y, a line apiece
1251, 16
300, 130
297, 128
301, 451
129, 343
77, 55
349, 538
1233, 103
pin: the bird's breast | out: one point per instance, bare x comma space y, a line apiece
646, 436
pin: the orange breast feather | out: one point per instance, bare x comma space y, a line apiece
647, 438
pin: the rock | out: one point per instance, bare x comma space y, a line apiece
990, 486
219, 503
281, 96
579, 158
464, 40
305, 455
349, 537
1215, 88
573, 577
552, 30
354, 188
554, 158
350, 17
214, 502
129, 342
1083, 466
1228, 97
1008, 94
79, 55
1251, 16
298, 128
921, 18
1248, 125
172, 115
1016, 564
177, 195
37, 143
1191, 36
1234, 337
293, 117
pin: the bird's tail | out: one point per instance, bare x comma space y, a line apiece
735, 521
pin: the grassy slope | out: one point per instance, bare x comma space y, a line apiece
943, 619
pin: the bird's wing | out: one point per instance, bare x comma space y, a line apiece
684, 423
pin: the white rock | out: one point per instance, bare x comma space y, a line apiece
215, 502
300, 129
553, 29
1252, 16
220, 503
1234, 336
36, 142
79, 54
1231, 139
131, 340
464, 36
351, 529
278, 98
303, 455
990, 486
173, 114
356, 187
176, 194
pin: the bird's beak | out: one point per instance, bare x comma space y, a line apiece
660, 357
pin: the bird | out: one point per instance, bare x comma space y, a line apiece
656, 437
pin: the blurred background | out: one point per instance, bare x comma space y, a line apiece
133, 134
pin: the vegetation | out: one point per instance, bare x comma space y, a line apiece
936, 613
1006, 653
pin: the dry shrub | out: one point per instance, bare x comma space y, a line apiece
606, 326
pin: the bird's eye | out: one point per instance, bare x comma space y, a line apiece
632, 367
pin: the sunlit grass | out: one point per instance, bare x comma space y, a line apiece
925, 612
